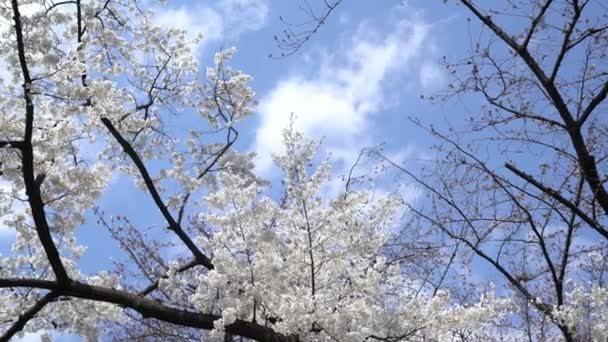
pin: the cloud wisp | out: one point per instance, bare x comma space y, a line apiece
223, 20
339, 101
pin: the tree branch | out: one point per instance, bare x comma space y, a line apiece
566, 41
32, 188
173, 224
150, 288
601, 96
585, 159
557, 196
292, 41
151, 308
535, 23
27, 316
12, 144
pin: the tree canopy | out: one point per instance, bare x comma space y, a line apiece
94, 90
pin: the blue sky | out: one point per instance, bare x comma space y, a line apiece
354, 84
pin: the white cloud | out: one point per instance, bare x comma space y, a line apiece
338, 101
431, 76
222, 20
196, 21
244, 15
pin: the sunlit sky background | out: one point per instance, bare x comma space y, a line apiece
355, 84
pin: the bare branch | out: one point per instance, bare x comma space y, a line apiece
294, 37
556, 195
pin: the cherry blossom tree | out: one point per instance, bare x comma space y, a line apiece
521, 185
532, 201
90, 90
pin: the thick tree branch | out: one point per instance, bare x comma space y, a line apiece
561, 199
535, 23
151, 308
585, 159
12, 144
27, 282
32, 187
173, 224
27, 316
524, 54
566, 40
601, 96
